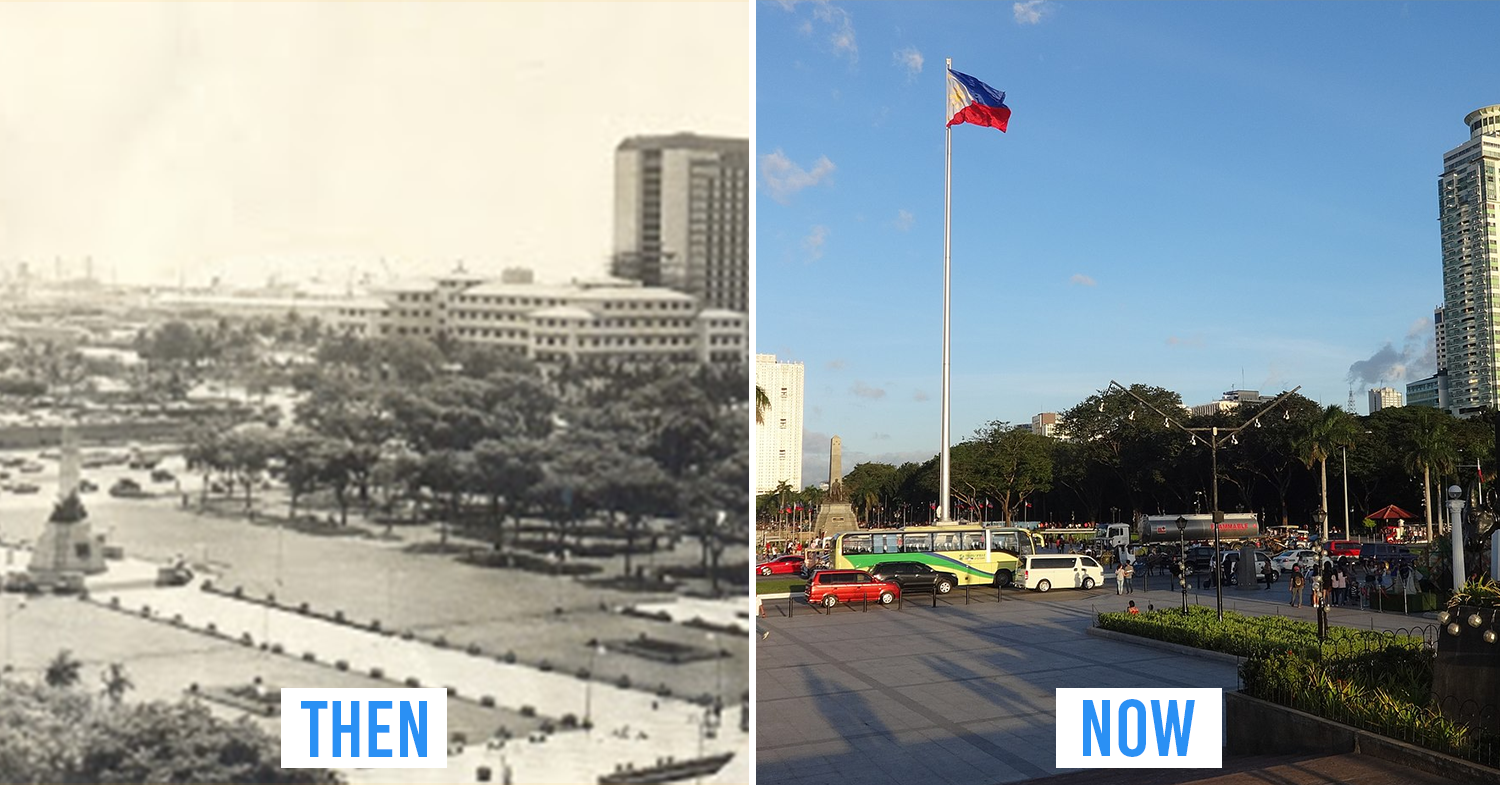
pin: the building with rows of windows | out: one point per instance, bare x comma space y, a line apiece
604, 319
1467, 199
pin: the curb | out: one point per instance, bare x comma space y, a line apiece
1174, 648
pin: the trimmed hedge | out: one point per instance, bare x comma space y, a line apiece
1242, 636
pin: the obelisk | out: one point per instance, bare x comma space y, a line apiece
67, 544
835, 514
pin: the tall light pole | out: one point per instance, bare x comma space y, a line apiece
1182, 559
1455, 520
1213, 436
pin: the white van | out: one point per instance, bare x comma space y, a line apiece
1042, 572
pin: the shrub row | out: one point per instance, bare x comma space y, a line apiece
1242, 636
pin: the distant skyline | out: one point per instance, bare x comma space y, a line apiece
244, 140
1200, 196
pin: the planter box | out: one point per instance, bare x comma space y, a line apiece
1466, 676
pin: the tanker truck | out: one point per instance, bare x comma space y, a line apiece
1163, 528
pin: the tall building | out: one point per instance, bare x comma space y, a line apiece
1384, 398
1046, 424
778, 436
1439, 343
1432, 391
682, 216
1467, 197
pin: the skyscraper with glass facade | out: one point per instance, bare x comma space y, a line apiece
1467, 199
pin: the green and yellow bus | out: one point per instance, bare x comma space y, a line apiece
975, 553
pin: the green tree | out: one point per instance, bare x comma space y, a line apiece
1320, 438
1430, 449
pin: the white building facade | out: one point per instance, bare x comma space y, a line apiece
778, 436
1467, 199
1384, 398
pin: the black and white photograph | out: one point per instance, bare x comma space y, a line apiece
375, 345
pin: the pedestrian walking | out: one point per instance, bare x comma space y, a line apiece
1119, 579
1266, 571
1130, 577
1338, 587
1296, 583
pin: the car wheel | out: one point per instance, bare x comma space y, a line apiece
1088, 583
1003, 578
886, 598
1044, 585
830, 601
765, 571
943, 586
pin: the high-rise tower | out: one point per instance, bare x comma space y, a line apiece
1467, 199
778, 437
682, 216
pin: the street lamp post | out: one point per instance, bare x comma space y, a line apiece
1320, 517
1213, 436
1456, 534
1182, 559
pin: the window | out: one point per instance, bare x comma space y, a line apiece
946, 541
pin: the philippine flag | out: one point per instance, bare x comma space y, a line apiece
972, 101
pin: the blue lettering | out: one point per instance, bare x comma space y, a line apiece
351, 730
376, 729
1181, 732
1099, 724
1140, 735
417, 727
312, 725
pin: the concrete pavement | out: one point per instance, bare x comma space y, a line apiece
964, 695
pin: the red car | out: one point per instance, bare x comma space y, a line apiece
1337, 548
781, 564
831, 587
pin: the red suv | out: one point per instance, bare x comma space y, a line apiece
1337, 548
830, 587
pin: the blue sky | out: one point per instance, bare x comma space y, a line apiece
1200, 196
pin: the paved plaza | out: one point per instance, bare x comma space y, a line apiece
961, 694
536, 617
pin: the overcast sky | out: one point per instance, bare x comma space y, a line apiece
241, 140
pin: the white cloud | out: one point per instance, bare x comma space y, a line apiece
783, 177
904, 219
813, 242
1079, 279
836, 365
910, 59
1030, 12
842, 22
866, 391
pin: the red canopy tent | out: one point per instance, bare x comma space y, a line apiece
1391, 512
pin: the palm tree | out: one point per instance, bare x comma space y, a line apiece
63, 670
762, 403
1334, 427
1431, 450
116, 683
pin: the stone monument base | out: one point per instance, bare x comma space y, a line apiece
835, 517
68, 547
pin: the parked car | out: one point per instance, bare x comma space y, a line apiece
1231, 569
1340, 548
126, 488
1380, 551
831, 587
1071, 571
1200, 558
162, 475
788, 564
1300, 557
911, 575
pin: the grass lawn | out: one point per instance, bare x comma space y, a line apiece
778, 585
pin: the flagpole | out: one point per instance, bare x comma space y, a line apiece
943, 482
